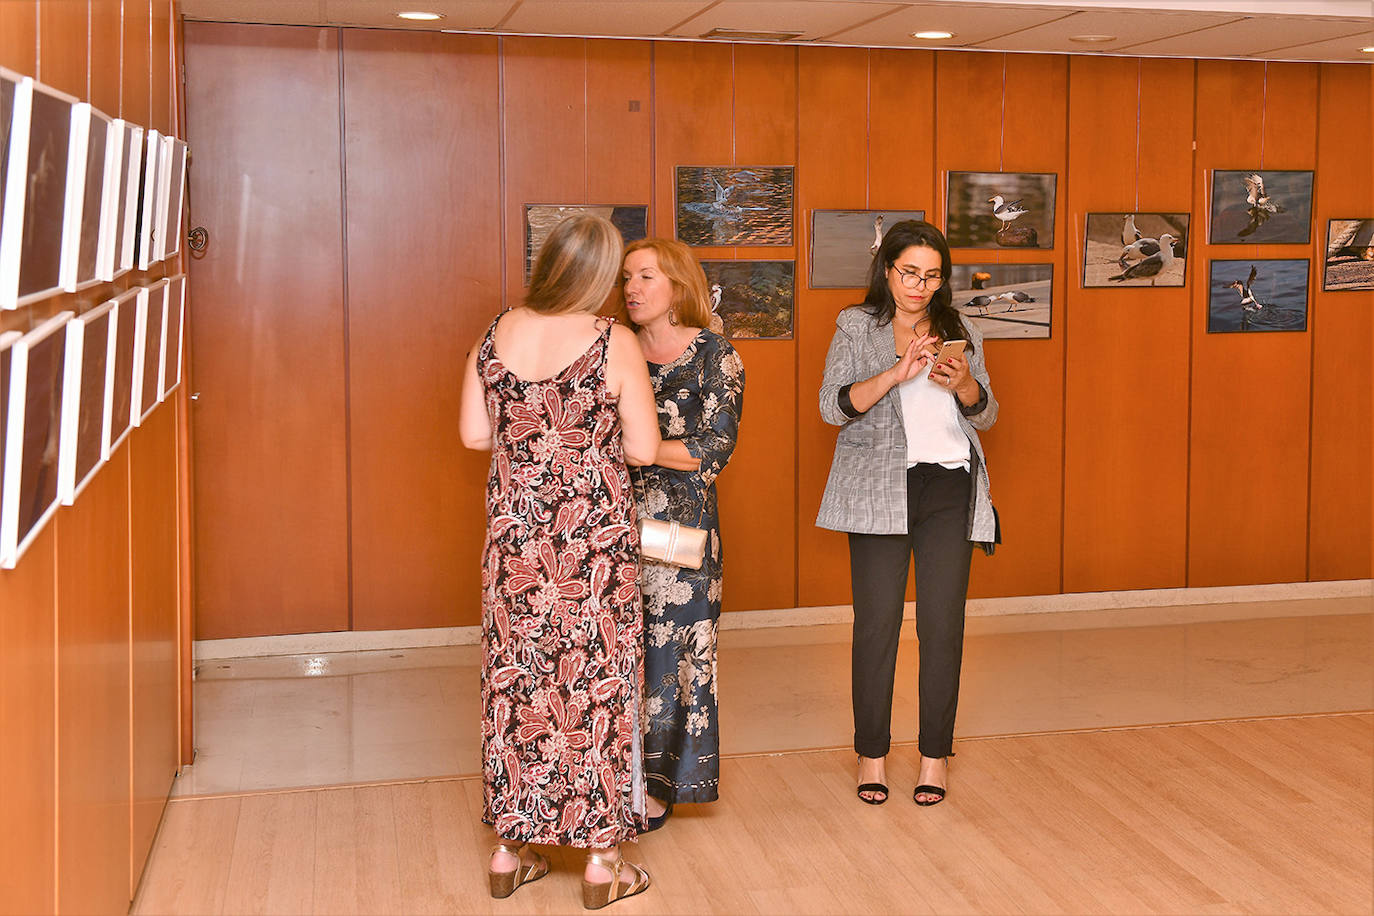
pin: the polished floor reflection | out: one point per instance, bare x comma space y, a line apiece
360, 717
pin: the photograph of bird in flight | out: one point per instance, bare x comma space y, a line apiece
1251, 207
734, 205
1257, 295
1000, 209
1126, 249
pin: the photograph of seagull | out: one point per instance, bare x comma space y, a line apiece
1000, 209
1261, 205
734, 205
1258, 295
1123, 249
1008, 301
843, 243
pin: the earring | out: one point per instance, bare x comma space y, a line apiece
672, 317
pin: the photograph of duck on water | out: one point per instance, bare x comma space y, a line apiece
1123, 249
1255, 206
1349, 255
1257, 295
751, 299
734, 205
1000, 209
1004, 300
843, 243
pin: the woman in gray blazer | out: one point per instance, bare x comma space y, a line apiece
908, 479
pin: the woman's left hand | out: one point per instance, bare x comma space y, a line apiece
952, 375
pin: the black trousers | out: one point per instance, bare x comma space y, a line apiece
937, 535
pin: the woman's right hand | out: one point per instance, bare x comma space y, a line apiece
917, 356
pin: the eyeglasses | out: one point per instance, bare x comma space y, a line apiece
911, 279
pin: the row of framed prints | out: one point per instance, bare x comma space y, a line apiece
83, 197
70, 391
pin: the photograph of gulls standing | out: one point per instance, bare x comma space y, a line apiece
1261, 205
843, 243
1008, 301
1123, 249
1000, 209
734, 205
1258, 295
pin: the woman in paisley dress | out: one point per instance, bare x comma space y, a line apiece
698, 382
562, 399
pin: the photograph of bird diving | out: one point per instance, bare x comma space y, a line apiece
1349, 254
1257, 295
751, 299
1253, 206
632, 221
1004, 300
1000, 209
734, 205
1135, 249
843, 243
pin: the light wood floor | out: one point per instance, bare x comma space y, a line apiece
1256, 816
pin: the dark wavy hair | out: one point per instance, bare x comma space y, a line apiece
878, 302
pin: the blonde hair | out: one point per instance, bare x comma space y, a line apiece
577, 267
691, 301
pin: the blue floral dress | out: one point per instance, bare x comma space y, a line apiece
700, 398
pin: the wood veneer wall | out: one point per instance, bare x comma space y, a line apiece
1114, 461
90, 628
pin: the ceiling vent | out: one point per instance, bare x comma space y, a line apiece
747, 35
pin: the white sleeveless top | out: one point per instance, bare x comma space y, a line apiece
931, 418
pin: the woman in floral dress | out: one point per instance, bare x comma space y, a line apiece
562, 399
698, 382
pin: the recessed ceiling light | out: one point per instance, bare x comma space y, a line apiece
1369, 50
420, 16
932, 35
1091, 39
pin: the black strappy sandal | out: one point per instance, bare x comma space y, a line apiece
937, 791
872, 787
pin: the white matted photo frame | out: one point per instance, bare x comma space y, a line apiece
88, 198
86, 413
1349, 255
16, 99
176, 334
130, 181
151, 329
843, 243
7, 341
148, 192
173, 187
33, 436
124, 375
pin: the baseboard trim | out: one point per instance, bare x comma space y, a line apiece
379, 640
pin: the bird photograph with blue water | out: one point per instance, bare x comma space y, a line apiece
1010, 301
733, 205
1000, 210
843, 243
1257, 295
1135, 249
1254, 206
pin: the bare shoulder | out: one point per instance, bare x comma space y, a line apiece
623, 339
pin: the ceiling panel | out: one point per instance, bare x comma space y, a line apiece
458, 14
1346, 48
292, 12
606, 17
971, 25
1249, 37
812, 18
1128, 27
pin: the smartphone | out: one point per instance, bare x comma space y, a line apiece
947, 349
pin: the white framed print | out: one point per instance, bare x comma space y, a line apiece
130, 179
147, 236
176, 334
86, 408
152, 330
123, 377
16, 100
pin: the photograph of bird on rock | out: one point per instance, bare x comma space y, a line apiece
1253, 206
1000, 209
1124, 249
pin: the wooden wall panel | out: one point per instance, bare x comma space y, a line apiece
901, 137
136, 68
620, 137
163, 106
758, 491
424, 261
1126, 401
832, 158
1248, 466
155, 596
19, 37
62, 63
1025, 448
106, 46
268, 331
93, 690
1342, 506
28, 792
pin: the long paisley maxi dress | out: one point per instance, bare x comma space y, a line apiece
562, 624
700, 398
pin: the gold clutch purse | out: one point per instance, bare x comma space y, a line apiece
670, 542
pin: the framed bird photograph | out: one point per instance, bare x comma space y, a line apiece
1010, 301
751, 299
85, 416
1349, 255
843, 243
1253, 294
1000, 209
16, 97
734, 205
122, 376
1124, 249
631, 220
1255, 206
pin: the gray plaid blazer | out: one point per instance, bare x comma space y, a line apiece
866, 492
